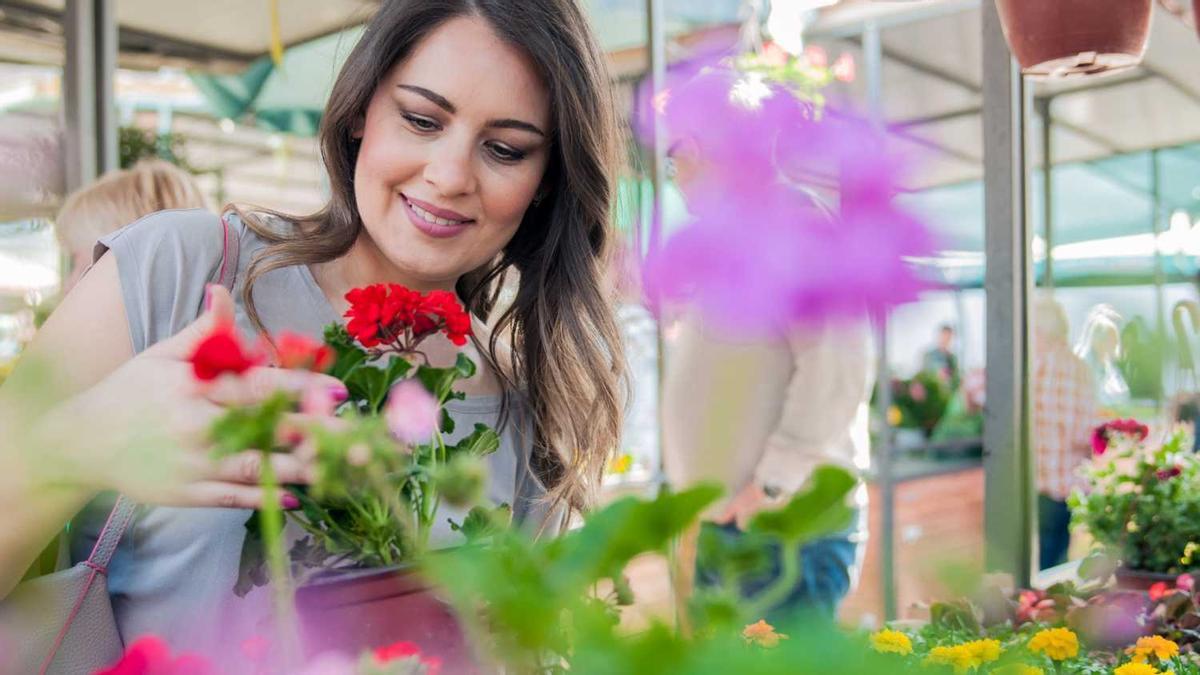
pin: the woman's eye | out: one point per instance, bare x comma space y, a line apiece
421, 123
505, 153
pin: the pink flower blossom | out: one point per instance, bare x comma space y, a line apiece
412, 412
150, 655
759, 253
1185, 582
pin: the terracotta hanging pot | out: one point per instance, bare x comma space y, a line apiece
1057, 38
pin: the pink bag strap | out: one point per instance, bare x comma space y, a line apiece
227, 276
110, 535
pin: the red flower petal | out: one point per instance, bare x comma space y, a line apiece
220, 352
396, 650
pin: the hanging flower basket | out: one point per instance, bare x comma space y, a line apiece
1075, 37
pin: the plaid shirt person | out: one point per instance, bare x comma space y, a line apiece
1064, 412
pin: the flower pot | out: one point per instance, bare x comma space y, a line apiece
1140, 580
353, 610
1075, 37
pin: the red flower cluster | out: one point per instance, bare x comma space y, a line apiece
1103, 434
300, 352
395, 316
220, 352
149, 655
405, 650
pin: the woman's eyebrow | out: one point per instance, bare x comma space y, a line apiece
444, 103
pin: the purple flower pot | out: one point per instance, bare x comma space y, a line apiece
354, 610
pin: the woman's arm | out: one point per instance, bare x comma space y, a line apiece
89, 418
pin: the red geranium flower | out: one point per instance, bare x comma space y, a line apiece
399, 318
149, 655
221, 351
1158, 591
406, 650
1103, 434
300, 352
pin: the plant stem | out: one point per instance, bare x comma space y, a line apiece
784, 584
272, 532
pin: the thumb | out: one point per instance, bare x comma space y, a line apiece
218, 312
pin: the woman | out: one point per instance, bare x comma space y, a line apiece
463, 139
117, 199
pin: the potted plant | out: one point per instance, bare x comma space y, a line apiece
383, 468
1075, 37
1141, 502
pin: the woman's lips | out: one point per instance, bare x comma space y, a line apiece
433, 221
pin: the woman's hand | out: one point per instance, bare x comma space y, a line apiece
143, 429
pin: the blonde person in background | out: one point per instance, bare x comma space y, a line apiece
116, 199
1064, 412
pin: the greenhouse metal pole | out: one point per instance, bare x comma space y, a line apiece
89, 112
1043, 107
884, 478
1160, 298
1008, 499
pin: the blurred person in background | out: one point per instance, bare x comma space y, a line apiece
941, 359
1064, 413
790, 402
116, 199
1099, 346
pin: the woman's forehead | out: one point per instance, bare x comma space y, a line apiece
477, 72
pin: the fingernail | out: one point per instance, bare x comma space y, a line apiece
338, 392
207, 297
289, 501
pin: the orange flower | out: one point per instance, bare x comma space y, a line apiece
762, 634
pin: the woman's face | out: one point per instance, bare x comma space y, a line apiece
455, 142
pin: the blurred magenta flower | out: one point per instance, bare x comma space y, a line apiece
150, 655
412, 412
759, 251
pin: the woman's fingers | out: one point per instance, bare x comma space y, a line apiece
229, 495
246, 468
258, 384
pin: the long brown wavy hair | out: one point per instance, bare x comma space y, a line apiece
566, 353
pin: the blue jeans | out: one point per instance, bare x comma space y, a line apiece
826, 569
1054, 531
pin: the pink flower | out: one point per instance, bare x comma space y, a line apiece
149, 655
759, 254
917, 391
407, 650
1185, 582
412, 412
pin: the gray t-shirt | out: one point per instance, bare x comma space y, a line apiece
174, 571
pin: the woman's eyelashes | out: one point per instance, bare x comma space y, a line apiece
501, 152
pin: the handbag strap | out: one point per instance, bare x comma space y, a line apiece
124, 510
114, 528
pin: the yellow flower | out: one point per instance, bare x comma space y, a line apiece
964, 657
1140, 669
1057, 643
958, 656
983, 651
621, 464
1155, 645
891, 641
762, 634
893, 416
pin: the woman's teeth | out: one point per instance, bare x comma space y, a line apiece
429, 217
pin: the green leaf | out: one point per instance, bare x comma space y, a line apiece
482, 522
628, 527
815, 512
480, 443
252, 566
347, 354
